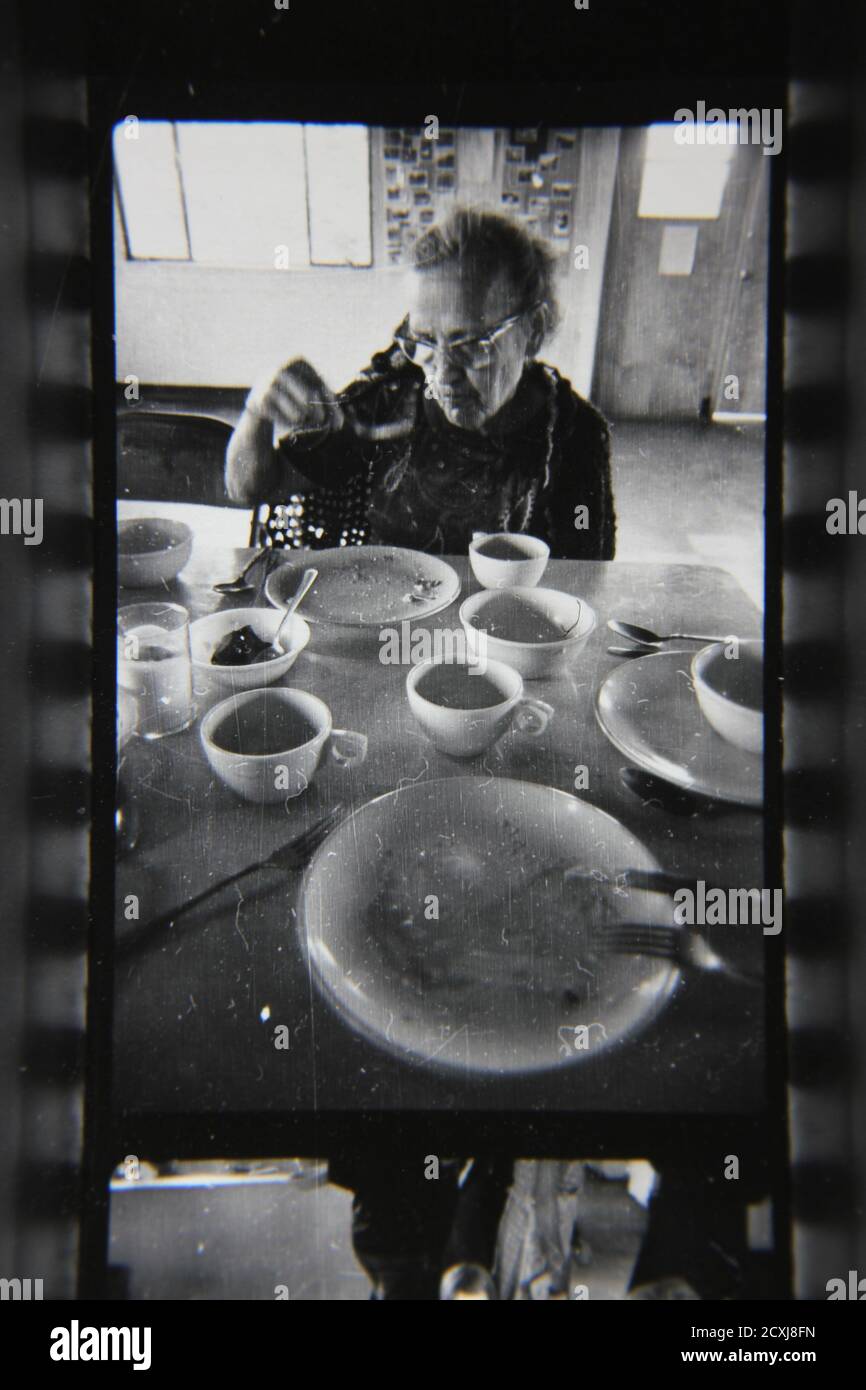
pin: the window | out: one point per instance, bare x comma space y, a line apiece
683, 181
260, 195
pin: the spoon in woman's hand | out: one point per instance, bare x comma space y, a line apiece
309, 578
647, 638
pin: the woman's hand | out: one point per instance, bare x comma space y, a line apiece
295, 401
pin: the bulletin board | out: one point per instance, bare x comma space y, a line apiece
527, 172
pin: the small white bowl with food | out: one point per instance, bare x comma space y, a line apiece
151, 550
536, 631
235, 649
728, 678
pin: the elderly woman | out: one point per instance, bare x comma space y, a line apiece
455, 428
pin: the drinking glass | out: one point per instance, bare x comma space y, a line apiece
154, 665
126, 817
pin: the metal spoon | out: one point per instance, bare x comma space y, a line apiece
270, 558
647, 638
675, 801
240, 585
309, 578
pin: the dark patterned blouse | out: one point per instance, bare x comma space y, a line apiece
428, 485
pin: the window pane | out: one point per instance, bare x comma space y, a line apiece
245, 193
145, 162
338, 181
684, 180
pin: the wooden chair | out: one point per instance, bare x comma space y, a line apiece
163, 456
174, 456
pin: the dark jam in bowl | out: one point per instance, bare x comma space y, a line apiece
243, 647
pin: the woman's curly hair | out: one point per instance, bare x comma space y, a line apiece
487, 242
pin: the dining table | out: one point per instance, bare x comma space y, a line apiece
198, 1004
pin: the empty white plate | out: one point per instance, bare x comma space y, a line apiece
649, 711
437, 921
366, 586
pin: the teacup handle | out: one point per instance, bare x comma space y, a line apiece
347, 748
532, 717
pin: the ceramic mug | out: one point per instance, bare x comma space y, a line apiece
300, 720
463, 709
520, 561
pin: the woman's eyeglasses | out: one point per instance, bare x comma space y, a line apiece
472, 352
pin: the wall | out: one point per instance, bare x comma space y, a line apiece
183, 324
191, 325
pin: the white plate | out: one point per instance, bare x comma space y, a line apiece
649, 711
365, 586
500, 980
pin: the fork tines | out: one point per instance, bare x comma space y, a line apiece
646, 940
299, 850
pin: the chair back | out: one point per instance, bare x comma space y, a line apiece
167, 457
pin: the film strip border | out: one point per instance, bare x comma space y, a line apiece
44, 1056
49, 969
823, 667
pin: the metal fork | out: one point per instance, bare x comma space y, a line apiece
683, 947
646, 880
288, 857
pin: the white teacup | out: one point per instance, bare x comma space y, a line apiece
463, 708
253, 718
520, 561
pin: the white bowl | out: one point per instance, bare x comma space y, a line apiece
160, 550
532, 659
205, 634
726, 690
502, 573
